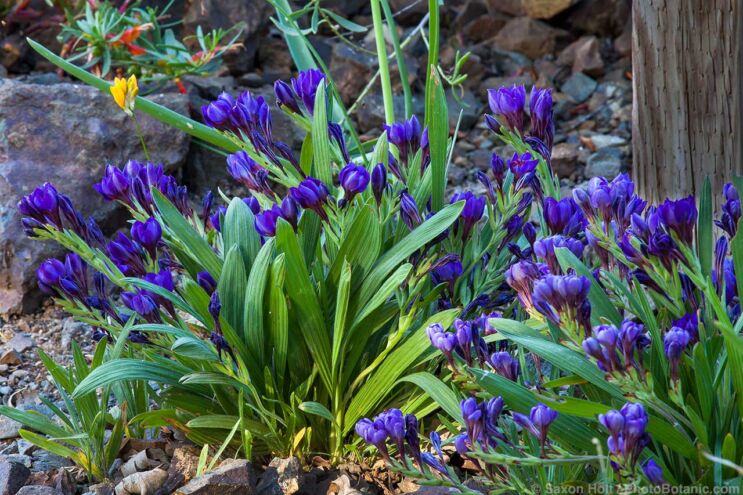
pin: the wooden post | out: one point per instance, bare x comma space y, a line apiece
688, 95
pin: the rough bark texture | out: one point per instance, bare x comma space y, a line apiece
688, 101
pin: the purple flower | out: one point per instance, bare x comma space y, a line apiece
505, 365
217, 113
285, 96
508, 103
563, 217
378, 182
731, 210
447, 269
653, 472
540, 110
538, 423
560, 294
521, 165
354, 179
409, 210
545, 249
632, 338
690, 323
253, 204
311, 194
680, 216
675, 341
265, 222
373, 433
127, 254
472, 415
442, 340
248, 172
521, 277
498, 167
49, 274
305, 87
143, 304
148, 234
290, 212
394, 425
216, 218
411, 436
252, 115
406, 136
474, 208
206, 282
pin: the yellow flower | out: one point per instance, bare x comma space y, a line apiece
124, 91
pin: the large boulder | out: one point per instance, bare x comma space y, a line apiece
253, 15
65, 134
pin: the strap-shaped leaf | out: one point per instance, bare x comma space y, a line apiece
232, 287
560, 356
253, 302
320, 138
187, 237
126, 369
301, 290
438, 136
278, 318
423, 234
382, 380
239, 230
438, 391
568, 429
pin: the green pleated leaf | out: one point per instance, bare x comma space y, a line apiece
439, 392
438, 137
254, 301
126, 369
301, 290
566, 429
560, 356
232, 286
239, 230
320, 138
382, 380
704, 228
360, 245
317, 409
194, 245
415, 240
278, 317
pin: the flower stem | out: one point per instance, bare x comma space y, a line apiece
384, 69
138, 130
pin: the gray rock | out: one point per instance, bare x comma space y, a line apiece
21, 342
25, 447
606, 162
46, 461
605, 140
65, 134
12, 477
72, 330
282, 477
101, 489
8, 428
579, 87
232, 477
39, 490
351, 70
17, 458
